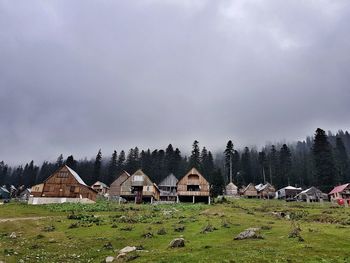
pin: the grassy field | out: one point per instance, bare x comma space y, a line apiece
90, 233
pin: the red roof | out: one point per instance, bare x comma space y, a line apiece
338, 189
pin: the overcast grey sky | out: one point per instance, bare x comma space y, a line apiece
76, 76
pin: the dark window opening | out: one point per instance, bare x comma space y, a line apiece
193, 188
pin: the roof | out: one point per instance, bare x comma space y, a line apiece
289, 187
170, 180
4, 189
76, 176
261, 187
101, 183
338, 189
231, 186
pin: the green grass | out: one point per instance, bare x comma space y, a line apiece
89, 236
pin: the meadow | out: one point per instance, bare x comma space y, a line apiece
290, 232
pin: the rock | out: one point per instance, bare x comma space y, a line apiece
109, 259
177, 242
13, 235
121, 255
127, 250
252, 233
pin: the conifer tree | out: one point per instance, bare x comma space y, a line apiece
195, 156
97, 167
323, 161
342, 162
229, 152
112, 168
246, 166
218, 183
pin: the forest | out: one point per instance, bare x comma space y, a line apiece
320, 160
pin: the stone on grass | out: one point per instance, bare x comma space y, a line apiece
127, 250
109, 259
13, 235
250, 233
177, 242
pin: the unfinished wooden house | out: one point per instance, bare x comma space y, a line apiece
288, 193
64, 185
168, 188
311, 194
139, 188
101, 188
340, 194
193, 187
115, 187
266, 191
249, 191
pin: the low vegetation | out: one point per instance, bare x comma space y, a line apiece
292, 232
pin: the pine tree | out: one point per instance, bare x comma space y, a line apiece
121, 162
195, 156
342, 162
263, 166
97, 167
246, 166
323, 160
207, 164
112, 168
229, 152
285, 165
71, 163
218, 183
59, 161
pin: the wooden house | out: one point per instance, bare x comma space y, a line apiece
4, 193
265, 191
249, 191
340, 194
193, 187
288, 193
64, 185
168, 188
101, 188
115, 187
140, 188
231, 190
311, 194
25, 194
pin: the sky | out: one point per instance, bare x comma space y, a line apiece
77, 76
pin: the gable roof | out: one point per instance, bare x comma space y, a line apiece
121, 178
196, 172
100, 183
249, 186
338, 189
76, 176
4, 189
170, 180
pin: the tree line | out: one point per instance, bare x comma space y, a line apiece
321, 160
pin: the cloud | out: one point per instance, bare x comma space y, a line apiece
83, 75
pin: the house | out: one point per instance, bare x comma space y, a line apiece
340, 194
100, 188
140, 188
25, 194
311, 194
288, 193
193, 187
265, 191
249, 191
168, 188
231, 190
4, 193
115, 187
64, 185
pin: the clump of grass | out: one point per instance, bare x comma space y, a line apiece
73, 225
50, 228
180, 228
127, 228
161, 231
208, 228
295, 232
108, 246
266, 227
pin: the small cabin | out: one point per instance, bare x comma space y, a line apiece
265, 191
311, 195
140, 188
249, 191
101, 188
193, 187
288, 193
64, 185
168, 188
340, 194
25, 194
231, 190
4, 193
115, 187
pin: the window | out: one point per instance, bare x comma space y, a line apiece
62, 174
138, 178
72, 189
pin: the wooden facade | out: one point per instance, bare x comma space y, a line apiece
266, 191
249, 191
311, 194
193, 186
140, 188
168, 188
64, 183
115, 187
231, 190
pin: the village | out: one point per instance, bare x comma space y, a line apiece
65, 185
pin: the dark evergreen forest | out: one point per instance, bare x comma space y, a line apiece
320, 160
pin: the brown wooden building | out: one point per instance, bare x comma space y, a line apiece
115, 187
140, 188
101, 188
193, 187
64, 183
249, 191
168, 188
266, 191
